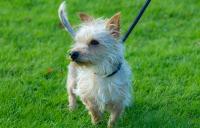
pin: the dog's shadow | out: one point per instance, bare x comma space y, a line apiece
146, 115
150, 115
138, 115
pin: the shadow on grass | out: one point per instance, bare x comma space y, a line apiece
141, 115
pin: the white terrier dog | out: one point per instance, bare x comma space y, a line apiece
98, 72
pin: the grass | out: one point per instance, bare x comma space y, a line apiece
163, 51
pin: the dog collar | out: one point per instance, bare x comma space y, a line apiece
114, 72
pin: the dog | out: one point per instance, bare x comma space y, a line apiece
98, 72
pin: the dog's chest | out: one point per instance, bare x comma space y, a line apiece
103, 90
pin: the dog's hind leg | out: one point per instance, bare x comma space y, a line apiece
71, 85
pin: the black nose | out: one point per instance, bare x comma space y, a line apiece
74, 55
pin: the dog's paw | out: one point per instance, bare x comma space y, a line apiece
110, 124
95, 122
96, 119
71, 107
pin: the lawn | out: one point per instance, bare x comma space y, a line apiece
163, 52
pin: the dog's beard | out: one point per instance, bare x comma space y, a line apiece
80, 62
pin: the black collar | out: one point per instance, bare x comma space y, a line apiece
114, 72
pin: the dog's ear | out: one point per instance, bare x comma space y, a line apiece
113, 24
85, 17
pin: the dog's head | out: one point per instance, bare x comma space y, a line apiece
97, 41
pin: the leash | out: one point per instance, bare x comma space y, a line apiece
132, 26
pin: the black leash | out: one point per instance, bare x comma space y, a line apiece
135, 21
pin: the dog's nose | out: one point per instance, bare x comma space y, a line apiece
74, 55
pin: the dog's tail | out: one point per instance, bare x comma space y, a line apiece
64, 20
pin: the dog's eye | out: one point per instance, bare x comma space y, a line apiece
94, 42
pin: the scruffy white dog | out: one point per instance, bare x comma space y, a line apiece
98, 72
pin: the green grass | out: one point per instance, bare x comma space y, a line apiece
163, 51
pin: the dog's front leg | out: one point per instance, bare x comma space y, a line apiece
116, 111
94, 111
71, 85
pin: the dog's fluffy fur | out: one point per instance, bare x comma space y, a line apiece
88, 74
